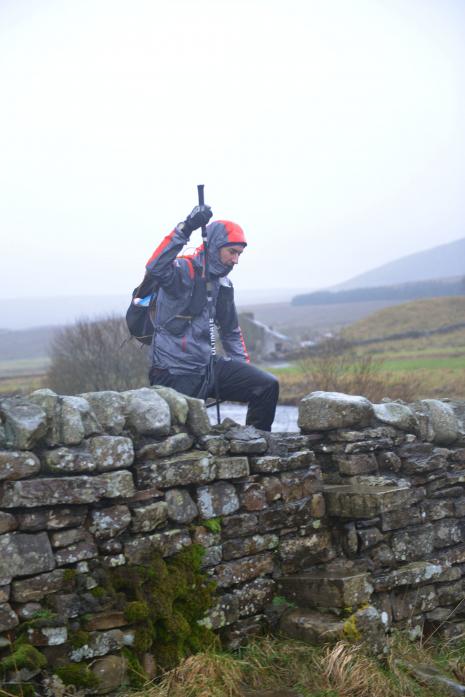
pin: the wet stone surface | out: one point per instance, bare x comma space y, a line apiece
24, 423
194, 467
23, 554
217, 500
367, 512
180, 506
15, 464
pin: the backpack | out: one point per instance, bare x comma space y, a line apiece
140, 315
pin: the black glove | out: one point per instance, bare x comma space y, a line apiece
198, 218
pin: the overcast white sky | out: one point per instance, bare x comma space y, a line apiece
331, 130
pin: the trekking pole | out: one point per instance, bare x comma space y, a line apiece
211, 321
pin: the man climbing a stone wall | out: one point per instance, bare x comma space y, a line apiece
181, 346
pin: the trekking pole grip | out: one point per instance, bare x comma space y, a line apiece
200, 188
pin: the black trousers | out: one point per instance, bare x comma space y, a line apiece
237, 382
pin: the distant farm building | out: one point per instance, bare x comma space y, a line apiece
263, 341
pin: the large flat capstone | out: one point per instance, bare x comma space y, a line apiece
443, 424
397, 415
323, 411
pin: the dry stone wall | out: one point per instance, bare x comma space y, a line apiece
364, 509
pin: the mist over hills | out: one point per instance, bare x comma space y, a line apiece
25, 313
397, 293
25, 344
443, 261
439, 271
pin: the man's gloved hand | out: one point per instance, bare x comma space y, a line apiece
199, 216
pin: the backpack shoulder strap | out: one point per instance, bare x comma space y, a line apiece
147, 287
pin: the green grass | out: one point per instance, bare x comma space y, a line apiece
20, 386
407, 364
392, 363
407, 374
23, 375
24, 366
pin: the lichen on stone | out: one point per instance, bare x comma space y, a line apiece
350, 629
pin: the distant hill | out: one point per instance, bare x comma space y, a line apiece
26, 344
443, 261
395, 293
419, 316
24, 313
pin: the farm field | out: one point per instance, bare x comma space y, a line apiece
22, 375
431, 366
397, 377
24, 366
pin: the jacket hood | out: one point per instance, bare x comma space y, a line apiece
220, 233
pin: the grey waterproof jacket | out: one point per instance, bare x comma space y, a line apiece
181, 340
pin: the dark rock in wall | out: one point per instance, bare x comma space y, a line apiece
15, 464
25, 555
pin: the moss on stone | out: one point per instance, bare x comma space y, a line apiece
137, 677
78, 638
77, 674
41, 618
143, 640
168, 655
212, 524
350, 629
24, 689
178, 626
137, 611
165, 600
23, 655
98, 592
201, 638
69, 576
